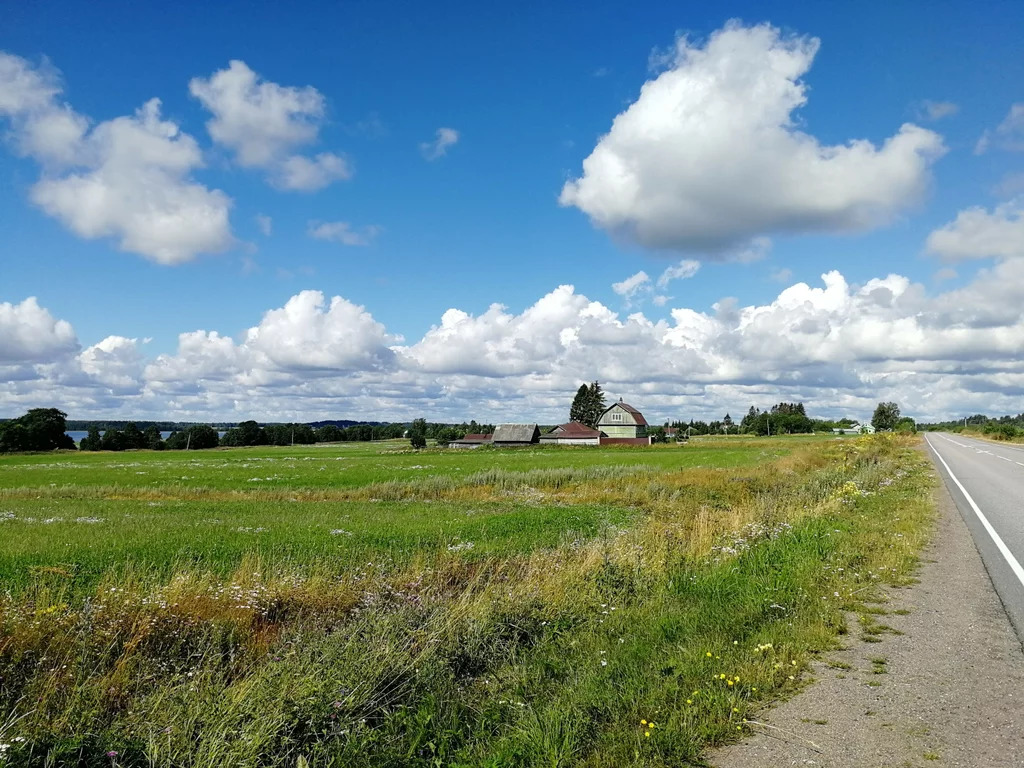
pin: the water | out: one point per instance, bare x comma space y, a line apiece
78, 434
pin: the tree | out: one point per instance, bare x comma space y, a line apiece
418, 440
41, 429
727, 422
329, 433
133, 437
579, 409
154, 440
886, 416
92, 441
194, 438
113, 440
657, 435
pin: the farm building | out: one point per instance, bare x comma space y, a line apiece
572, 433
510, 435
856, 429
471, 441
622, 420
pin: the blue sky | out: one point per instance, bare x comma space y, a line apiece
529, 90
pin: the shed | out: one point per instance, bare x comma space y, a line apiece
471, 440
572, 433
508, 435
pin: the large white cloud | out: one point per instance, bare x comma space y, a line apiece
264, 123
978, 234
709, 156
128, 178
836, 346
29, 333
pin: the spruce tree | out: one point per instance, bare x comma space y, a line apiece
578, 410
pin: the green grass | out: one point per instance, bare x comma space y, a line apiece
681, 586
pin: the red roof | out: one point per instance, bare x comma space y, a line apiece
574, 429
629, 409
473, 438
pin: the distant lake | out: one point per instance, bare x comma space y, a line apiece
78, 434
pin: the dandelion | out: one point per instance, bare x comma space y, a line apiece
689, 701
643, 722
708, 654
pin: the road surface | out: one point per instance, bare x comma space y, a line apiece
986, 480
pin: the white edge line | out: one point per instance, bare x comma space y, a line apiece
1015, 566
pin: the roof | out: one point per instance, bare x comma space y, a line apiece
640, 420
574, 429
476, 438
516, 433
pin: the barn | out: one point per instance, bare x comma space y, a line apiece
514, 435
572, 433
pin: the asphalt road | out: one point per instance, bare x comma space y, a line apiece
986, 480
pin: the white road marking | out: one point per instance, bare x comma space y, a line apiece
1012, 561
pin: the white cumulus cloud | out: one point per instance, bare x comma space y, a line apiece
128, 178
264, 123
342, 232
709, 156
1008, 135
629, 287
685, 269
980, 234
29, 333
443, 139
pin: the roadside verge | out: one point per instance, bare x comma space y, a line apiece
947, 691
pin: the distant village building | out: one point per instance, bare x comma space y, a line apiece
622, 424
513, 435
471, 441
856, 429
572, 433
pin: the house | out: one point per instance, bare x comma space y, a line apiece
622, 424
622, 420
572, 433
856, 429
513, 435
471, 441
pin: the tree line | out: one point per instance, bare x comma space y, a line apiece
44, 429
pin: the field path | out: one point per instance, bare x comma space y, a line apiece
952, 692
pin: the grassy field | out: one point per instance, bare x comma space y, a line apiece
364, 605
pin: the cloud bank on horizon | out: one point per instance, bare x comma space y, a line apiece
838, 346
708, 163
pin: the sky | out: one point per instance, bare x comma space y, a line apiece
380, 210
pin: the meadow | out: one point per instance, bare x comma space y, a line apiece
367, 605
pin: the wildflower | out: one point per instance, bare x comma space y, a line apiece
647, 734
721, 677
729, 682
708, 654
689, 701
604, 662
643, 722
112, 754
734, 709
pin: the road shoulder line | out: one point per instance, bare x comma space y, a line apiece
1012, 561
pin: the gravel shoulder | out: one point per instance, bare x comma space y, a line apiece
949, 693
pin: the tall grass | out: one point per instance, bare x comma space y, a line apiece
707, 606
